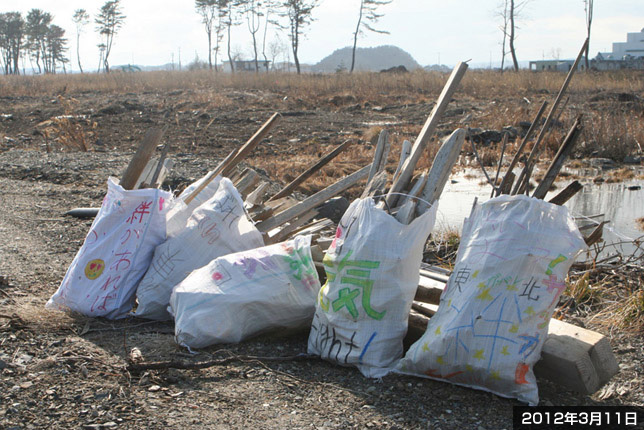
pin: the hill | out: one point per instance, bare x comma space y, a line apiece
367, 59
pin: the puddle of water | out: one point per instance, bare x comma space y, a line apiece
620, 205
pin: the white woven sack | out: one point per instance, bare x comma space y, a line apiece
372, 275
243, 294
102, 278
493, 316
180, 212
218, 227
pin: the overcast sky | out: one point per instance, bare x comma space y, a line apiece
432, 31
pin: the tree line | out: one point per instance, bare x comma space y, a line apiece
260, 16
44, 44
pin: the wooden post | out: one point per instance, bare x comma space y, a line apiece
141, 157
524, 177
313, 201
441, 168
567, 193
557, 163
287, 190
157, 171
230, 162
425, 135
380, 155
495, 188
404, 154
516, 157
407, 211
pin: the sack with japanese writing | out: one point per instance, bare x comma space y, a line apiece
218, 227
247, 293
180, 211
372, 271
102, 279
493, 316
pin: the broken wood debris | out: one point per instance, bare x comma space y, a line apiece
408, 166
288, 189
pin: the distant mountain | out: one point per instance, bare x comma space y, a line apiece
367, 59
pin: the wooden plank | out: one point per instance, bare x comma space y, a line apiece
157, 178
517, 155
230, 162
208, 179
567, 193
427, 291
248, 180
294, 225
495, 188
408, 210
314, 200
141, 158
404, 154
441, 168
314, 228
246, 149
524, 176
256, 198
376, 185
506, 184
380, 155
287, 190
557, 163
407, 170
146, 180
596, 345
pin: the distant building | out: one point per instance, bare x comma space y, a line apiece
625, 55
248, 65
633, 47
554, 65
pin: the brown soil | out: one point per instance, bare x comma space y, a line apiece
61, 371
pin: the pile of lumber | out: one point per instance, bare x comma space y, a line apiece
573, 357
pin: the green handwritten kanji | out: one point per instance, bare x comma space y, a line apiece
345, 299
357, 273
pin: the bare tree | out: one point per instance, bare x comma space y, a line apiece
299, 16
511, 12
229, 12
504, 13
208, 10
252, 10
366, 18
276, 48
588, 8
81, 19
270, 9
108, 22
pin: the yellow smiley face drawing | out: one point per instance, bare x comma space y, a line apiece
94, 269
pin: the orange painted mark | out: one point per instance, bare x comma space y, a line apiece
520, 372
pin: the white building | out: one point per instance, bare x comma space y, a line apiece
633, 47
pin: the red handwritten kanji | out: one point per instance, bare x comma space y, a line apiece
122, 259
111, 282
128, 233
139, 212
